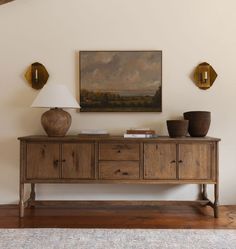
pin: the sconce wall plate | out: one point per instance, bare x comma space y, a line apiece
37, 75
204, 75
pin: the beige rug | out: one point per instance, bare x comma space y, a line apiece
116, 239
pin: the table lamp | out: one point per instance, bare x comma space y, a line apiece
56, 122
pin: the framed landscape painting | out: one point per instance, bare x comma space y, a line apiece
120, 81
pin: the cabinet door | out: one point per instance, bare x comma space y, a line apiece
78, 161
195, 161
42, 161
159, 161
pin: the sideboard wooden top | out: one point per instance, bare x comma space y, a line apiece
71, 138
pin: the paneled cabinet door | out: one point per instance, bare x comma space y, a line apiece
160, 161
78, 161
42, 161
195, 161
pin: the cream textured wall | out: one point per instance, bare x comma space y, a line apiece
51, 31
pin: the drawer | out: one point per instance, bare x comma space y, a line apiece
118, 151
118, 170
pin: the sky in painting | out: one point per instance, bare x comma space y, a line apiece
120, 71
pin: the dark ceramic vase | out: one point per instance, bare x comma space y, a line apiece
177, 128
199, 123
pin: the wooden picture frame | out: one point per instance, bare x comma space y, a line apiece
120, 81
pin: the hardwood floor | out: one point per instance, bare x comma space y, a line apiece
118, 216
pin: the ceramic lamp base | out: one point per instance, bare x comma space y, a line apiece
56, 122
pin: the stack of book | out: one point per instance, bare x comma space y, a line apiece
140, 133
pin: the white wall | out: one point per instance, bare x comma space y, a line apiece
51, 31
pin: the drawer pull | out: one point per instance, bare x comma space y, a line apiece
173, 161
117, 171
125, 173
118, 151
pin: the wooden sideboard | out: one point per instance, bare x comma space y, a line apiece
114, 159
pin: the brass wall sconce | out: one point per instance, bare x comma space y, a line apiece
37, 75
204, 75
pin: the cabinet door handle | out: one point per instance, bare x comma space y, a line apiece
63, 161
173, 161
117, 171
180, 161
118, 151
43, 152
55, 163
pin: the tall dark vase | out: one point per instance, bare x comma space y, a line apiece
199, 123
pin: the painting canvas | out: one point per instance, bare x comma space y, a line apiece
120, 81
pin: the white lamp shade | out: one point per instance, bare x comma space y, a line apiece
55, 95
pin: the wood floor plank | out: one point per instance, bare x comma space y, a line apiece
123, 216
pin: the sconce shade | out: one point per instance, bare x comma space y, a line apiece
55, 95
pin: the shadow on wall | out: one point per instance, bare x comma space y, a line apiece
10, 171
109, 192
159, 126
21, 97
25, 119
9, 158
20, 120
9, 166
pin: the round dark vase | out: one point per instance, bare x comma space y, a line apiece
199, 123
177, 128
